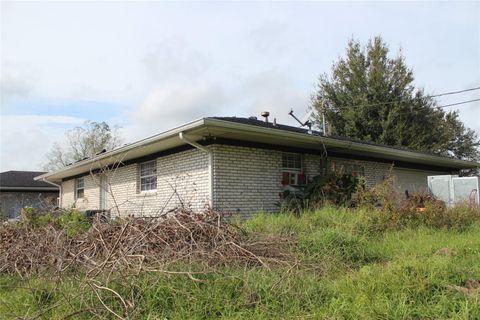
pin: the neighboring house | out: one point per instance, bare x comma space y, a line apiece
236, 165
18, 189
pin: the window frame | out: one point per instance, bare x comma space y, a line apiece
141, 175
293, 169
78, 187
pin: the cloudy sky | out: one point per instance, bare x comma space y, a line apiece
148, 66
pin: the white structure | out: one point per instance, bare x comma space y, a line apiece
235, 165
453, 189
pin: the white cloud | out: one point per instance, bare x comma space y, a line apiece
174, 60
175, 104
16, 79
270, 37
168, 63
26, 139
272, 91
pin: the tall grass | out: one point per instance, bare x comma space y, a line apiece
350, 264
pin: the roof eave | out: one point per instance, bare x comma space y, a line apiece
405, 155
357, 146
126, 148
28, 189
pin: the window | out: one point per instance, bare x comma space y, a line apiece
79, 188
292, 161
292, 170
148, 176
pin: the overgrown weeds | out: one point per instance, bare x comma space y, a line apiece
418, 260
333, 266
133, 244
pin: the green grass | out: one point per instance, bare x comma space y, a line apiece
348, 270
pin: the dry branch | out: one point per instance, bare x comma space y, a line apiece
134, 244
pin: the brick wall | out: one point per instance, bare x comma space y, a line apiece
181, 178
248, 180
375, 172
245, 180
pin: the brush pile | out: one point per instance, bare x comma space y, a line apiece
134, 244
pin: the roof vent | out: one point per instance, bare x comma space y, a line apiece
265, 114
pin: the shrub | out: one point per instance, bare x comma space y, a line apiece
70, 220
382, 196
35, 217
74, 222
3, 216
335, 189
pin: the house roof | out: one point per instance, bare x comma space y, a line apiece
259, 123
24, 180
251, 131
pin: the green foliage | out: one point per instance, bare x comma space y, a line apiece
332, 189
74, 222
35, 217
342, 271
3, 216
70, 220
354, 95
388, 212
383, 195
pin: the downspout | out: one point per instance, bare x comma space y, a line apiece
59, 186
210, 164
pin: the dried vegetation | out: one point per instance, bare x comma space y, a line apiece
134, 244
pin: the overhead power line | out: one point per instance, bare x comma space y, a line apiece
453, 92
428, 96
455, 104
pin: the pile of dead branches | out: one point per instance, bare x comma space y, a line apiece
135, 244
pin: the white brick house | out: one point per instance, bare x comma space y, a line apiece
235, 165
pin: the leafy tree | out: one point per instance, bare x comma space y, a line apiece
82, 142
370, 96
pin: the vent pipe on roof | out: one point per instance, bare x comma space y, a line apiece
265, 114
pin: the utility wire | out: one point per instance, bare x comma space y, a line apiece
453, 92
455, 104
444, 106
429, 96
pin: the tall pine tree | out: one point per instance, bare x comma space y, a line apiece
370, 96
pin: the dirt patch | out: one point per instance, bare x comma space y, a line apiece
445, 252
470, 289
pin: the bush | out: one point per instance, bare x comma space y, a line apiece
3, 216
431, 215
70, 220
335, 189
74, 222
35, 217
382, 196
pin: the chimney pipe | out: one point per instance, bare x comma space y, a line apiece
265, 114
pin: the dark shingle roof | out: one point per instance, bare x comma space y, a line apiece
23, 180
260, 123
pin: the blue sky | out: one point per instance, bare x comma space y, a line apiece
148, 66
